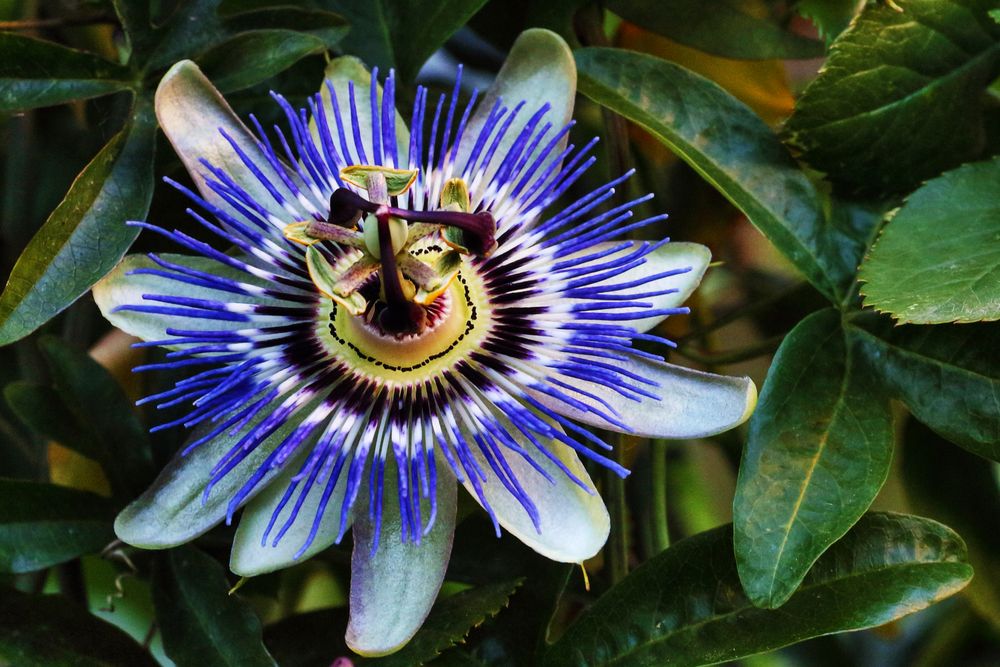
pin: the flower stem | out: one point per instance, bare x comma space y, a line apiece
619, 542
658, 471
765, 346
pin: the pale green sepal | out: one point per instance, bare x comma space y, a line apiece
539, 69
119, 288
174, 509
393, 590
691, 404
573, 522
193, 114
668, 257
338, 73
251, 557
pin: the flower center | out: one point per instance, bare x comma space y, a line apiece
455, 324
408, 285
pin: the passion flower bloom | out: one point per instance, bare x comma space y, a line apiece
381, 314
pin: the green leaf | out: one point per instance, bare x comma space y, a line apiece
248, 58
830, 17
328, 26
104, 414
725, 142
402, 33
900, 98
43, 525
947, 375
449, 622
202, 623
724, 30
953, 486
818, 452
685, 605
42, 410
293, 640
938, 258
53, 631
86, 235
36, 73
192, 27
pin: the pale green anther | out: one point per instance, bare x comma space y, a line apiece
455, 193
397, 181
455, 197
309, 232
330, 280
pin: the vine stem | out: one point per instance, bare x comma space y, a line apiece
619, 542
39, 24
765, 346
658, 471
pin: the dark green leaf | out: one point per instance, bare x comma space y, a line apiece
135, 20
685, 606
202, 623
938, 258
449, 622
52, 631
829, 16
292, 640
103, 414
44, 524
900, 98
952, 486
818, 452
294, 645
86, 235
328, 26
725, 142
723, 30
36, 73
250, 57
948, 375
402, 33
42, 409
192, 27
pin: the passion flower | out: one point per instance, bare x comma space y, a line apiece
385, 313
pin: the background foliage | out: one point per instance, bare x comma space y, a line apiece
840, 159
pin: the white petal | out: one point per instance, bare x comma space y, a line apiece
393, 590
174, 509
193, 115
666, 258
573, 524
119, 288
252, 556
539, 69
691, 404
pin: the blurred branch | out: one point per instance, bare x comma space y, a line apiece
744, 311
589, 26
59, 22
766, 346
618, 542
658, 471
